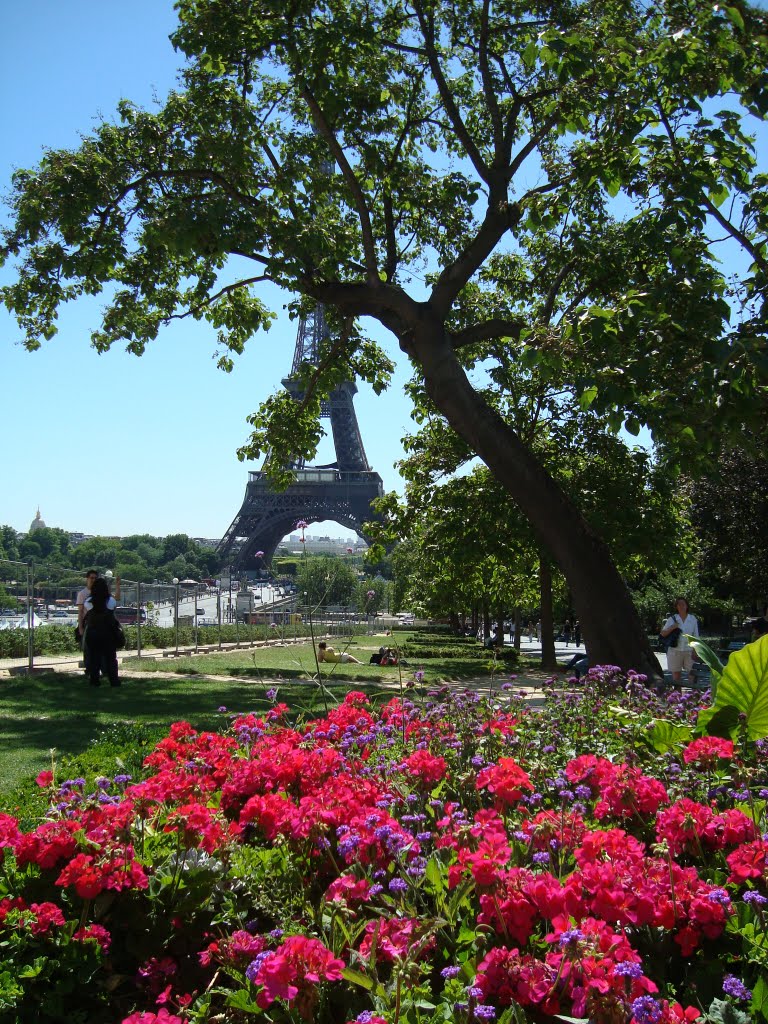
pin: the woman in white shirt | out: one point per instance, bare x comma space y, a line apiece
680, 656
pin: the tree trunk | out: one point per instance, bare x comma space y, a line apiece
548, 658
611, 627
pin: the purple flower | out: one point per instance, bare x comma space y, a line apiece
255, 965
271, 694
370, 594
222, 710
398, 885
485, 1013
625, 969
719, 896
732, 986
301, 525
646, 1010
755, 898
450, 972
570, 938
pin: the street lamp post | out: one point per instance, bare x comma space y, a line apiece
194, 610
176, 612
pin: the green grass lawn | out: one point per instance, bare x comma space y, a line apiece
66, 714
298, 663
62, 712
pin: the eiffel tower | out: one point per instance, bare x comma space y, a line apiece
341, 491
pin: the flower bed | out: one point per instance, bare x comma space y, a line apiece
451, 858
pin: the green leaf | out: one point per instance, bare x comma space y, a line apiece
530, 54
736, 17
718, 721
744, 685
710, 659
434, 875
632, 426
722, 1012
587, 397
759, 1005
719, 194
664, 735
357, 978
241, 1001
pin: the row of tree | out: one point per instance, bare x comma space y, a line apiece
139, 557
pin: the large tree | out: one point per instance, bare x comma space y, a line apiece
547, 166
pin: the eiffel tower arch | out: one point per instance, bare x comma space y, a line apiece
341, 491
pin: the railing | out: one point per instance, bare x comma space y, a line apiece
38, 617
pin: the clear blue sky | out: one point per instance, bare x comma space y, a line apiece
114, 444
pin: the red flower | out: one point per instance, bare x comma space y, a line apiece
749, 861
706, 751
44, 779
505, 779
96, 933
427, 768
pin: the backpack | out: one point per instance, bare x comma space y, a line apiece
671, 639
103, 627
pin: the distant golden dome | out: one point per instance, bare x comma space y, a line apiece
37, 523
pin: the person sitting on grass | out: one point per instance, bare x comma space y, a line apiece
326, 653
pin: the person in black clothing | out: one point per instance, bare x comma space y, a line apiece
101, 634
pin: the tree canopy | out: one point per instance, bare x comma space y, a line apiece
543, 179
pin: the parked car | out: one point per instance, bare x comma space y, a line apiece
128, 616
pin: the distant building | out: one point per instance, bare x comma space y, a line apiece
322, 545
79, 538
37, 523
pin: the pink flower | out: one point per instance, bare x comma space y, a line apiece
706, 751
44, 779
293, 970
149, 1017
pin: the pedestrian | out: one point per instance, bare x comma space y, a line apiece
531, 629
680, 652
567, 632
82, 596
326, 653
577, 633
101, 634
538, 630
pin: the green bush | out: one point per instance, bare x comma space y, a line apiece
51, 640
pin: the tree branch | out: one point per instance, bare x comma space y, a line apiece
500, 217
496, 328
324, 129
488, 91
549, 305
707, 203
427, 30
218, 295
